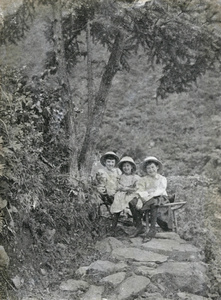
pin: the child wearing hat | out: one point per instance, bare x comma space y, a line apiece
126, 188
107, 178
151, 193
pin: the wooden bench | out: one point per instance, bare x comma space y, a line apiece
174, 207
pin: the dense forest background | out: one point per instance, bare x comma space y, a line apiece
46, 109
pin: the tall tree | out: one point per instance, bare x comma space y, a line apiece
180, 36
63, 76
173, 35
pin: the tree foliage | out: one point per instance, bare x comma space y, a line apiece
180, 36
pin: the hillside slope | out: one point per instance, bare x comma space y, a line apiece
183, 130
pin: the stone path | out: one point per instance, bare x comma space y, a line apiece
167, 267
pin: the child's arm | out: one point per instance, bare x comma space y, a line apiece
126, 189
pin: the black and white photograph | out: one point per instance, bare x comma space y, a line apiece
110, 150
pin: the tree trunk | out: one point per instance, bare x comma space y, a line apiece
89, 71
66, 90
95, 119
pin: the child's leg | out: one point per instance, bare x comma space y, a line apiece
153, 220
137, 217
115, 218
147, 220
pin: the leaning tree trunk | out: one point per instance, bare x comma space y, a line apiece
66, 90
89, 71
96, 117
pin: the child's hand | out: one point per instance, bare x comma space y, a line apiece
126, 189
139, 204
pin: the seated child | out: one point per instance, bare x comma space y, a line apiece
126, 188
107, 178
151, 193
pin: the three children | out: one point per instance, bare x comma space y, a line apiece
143, 195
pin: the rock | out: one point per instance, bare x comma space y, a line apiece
94, 293
74, 285
154, 296
185, 276
4, 259
168, 235
138, 255
171, 235
143, 270
43, 272
107, 266
18, 282
137, 241
114, 279
108, 244
150, 264
186, 296
82, 271
177, 250
152, 288
101, 266
132, 286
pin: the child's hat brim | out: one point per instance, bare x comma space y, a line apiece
109, 154
126, 159
150, 159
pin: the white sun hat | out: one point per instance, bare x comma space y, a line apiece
151, 159
127, 159
108, 154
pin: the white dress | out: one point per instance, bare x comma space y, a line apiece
149, 187
122, 199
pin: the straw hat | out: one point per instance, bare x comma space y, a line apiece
154, 160
110, 155
126, 159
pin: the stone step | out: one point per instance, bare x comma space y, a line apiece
171, 245
144, 270
187, 277
114, 279
130, 287
174, 249
187, 296
93, 293
136, 254
102, 266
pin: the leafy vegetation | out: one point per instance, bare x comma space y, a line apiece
43, 210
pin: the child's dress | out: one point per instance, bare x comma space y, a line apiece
122, 199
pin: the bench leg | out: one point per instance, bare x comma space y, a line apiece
174, 221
